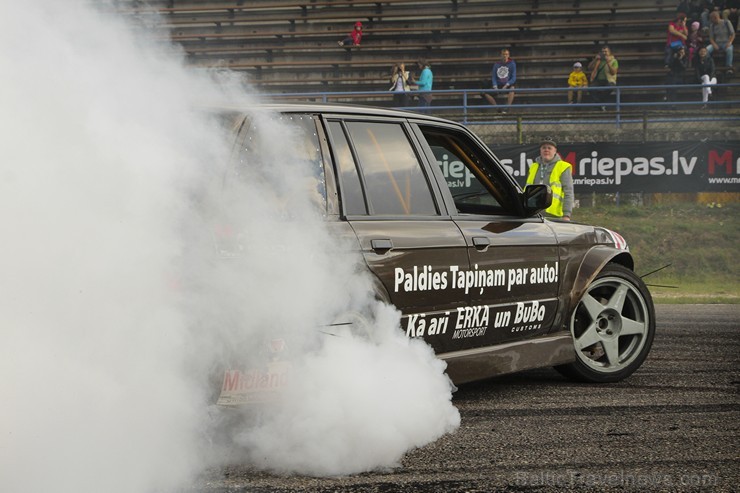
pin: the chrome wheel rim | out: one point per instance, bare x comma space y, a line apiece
610, 325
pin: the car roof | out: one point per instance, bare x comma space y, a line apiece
335, 108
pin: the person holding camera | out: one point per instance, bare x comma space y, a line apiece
604, 69
677, 65
678, 35
400, 85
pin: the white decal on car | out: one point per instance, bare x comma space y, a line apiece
426, 279
418, 325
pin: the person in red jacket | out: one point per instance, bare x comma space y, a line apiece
353, 38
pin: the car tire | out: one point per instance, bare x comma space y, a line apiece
613, 326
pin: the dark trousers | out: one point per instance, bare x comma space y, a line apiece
602, 96
673, 80
400, 99
425, 101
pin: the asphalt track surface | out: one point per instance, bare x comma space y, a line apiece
672, 426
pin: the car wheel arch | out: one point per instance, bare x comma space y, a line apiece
593, 262
379, 290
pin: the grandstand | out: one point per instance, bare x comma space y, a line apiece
290, 46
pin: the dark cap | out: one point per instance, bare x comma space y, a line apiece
549, 140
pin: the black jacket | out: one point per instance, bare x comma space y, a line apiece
704, 67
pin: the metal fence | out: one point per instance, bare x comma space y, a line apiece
622, 114
649, 113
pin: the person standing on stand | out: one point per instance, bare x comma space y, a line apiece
424, 83
400, 85
604, 69
550, 169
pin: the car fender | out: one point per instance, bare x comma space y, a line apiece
593, 261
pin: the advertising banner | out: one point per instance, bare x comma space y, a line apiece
638, 167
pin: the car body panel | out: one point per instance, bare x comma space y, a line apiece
476, 364
523, 257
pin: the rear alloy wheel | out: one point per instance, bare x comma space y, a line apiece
612, 326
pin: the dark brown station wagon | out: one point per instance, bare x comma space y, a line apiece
466, 255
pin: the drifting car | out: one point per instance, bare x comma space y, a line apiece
466, 254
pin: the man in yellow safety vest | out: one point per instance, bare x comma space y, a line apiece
550, 169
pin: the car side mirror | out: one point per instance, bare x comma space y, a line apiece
536, 198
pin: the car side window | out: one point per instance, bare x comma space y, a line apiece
254, 142
353, 199
394, 179
308, 151
475, 182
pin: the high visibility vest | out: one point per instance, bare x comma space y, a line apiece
556, 209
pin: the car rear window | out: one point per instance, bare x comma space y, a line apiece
255, 147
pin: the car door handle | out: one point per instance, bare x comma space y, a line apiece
481, 242
381, 246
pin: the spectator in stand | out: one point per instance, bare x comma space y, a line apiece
721, 37
692, 8
400, 85
678, 34
603, 69
696, 7
731, 12
696, 41
354, 38
576, 80
424, 83
709, 7
503, 77
677, 71
704, 69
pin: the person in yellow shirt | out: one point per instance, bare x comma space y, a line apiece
576, 79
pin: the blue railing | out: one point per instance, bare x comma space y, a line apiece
615, 107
